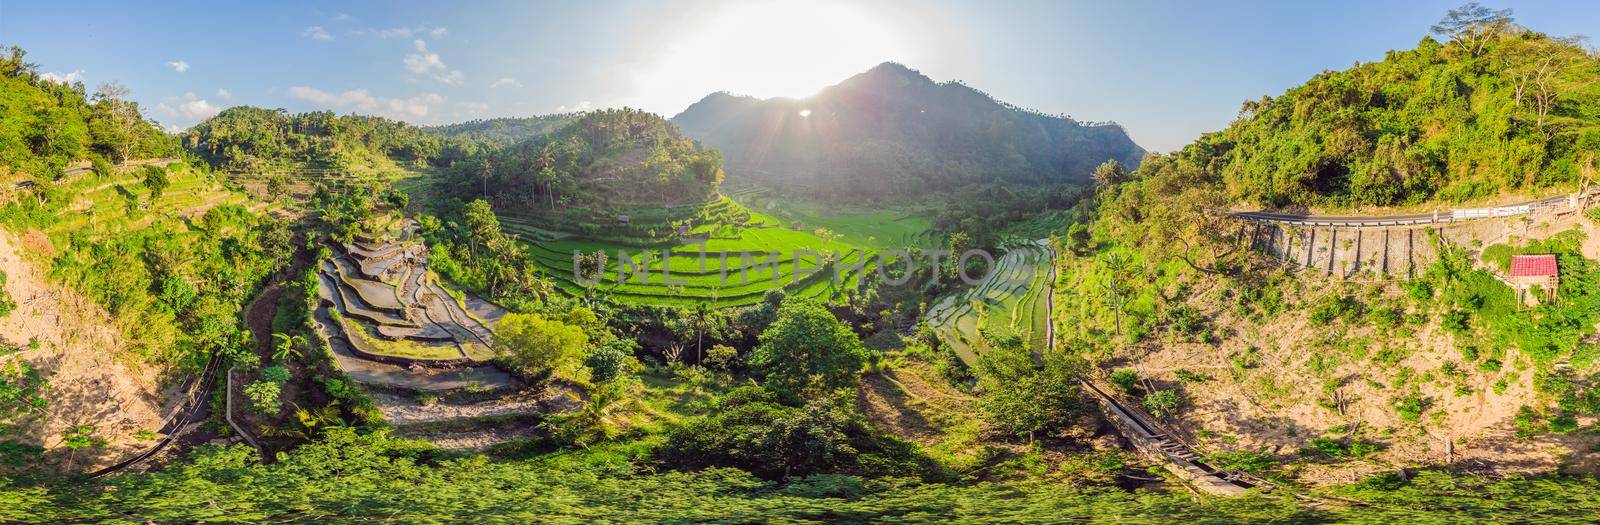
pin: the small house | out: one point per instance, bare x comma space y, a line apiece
622, 218
1534, 273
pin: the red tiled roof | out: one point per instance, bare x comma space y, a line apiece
1533, 265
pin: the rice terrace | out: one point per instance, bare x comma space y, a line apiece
723, 252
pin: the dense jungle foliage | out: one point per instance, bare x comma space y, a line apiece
47, 126
259, 139
1502, 110
606, 157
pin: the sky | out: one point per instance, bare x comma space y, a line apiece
1167, 71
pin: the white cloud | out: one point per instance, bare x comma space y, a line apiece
425, 62
473, 107
506, 82
63, 78
581, 106
190, 107
341, 16
224, 94
178, 65
317, 33
363, 101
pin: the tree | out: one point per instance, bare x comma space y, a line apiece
1110, 173
120, 118
483, 227
156, 179
1078, 238
535, 345
1472, 26
807, 352
1025, 397
277, 186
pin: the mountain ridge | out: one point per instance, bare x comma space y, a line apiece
891, 130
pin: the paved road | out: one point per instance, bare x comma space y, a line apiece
1397, 220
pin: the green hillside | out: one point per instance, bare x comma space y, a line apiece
604, 160
1518, 112
46, 126
504, 131
251, 138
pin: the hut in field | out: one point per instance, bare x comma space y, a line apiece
1534, 277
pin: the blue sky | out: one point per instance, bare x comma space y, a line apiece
1168, 71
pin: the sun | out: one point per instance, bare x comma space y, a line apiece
768, 49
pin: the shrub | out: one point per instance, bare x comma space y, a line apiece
1529, 422
1190, 377
1563, 424
265, 397
1456, 321
276, 373
1336, 448
6, 304
1164, 403
1242, 461
722, 357
1126, 379
749, 429
1332, 307
1410, 407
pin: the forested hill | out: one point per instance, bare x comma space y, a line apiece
893, 131
45, 126
251, 138
603, 159
505, 130
1495, 110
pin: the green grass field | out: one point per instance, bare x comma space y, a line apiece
732, 255
1013, 299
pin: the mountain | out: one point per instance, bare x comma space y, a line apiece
894, 131
1517, 114
603, 159
505, 130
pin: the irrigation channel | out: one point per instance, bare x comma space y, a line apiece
182, 419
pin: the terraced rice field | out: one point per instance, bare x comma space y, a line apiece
731, 255
104, 203
1013, 299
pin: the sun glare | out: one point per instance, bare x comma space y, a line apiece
768, 49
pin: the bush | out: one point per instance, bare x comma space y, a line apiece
749, 429
1255, 461
1126, 379
1332, 307
265, 397
1336, 448
1410, 407
6, 304
1456, 321
1165, 403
